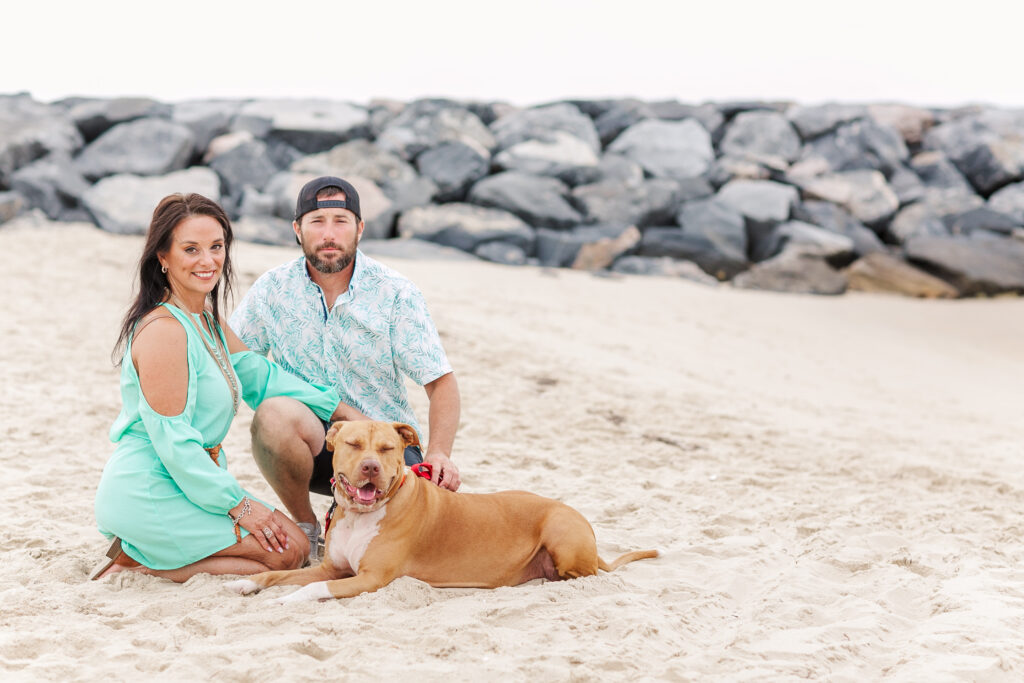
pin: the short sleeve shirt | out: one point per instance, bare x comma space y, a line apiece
377, 332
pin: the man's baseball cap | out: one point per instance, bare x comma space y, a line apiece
308, 202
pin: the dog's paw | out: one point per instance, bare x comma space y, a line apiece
242, 586
313, 591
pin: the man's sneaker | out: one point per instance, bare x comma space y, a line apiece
316, 544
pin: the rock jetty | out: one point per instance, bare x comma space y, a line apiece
763, 195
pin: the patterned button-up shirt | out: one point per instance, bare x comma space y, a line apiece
378, 330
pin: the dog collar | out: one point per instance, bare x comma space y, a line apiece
422, 469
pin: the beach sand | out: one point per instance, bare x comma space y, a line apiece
835, 486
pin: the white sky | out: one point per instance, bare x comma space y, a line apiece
524, 52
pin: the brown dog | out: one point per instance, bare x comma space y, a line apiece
390, 523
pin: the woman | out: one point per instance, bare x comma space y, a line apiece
166, 496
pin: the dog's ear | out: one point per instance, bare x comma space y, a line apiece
407, 433
331, 433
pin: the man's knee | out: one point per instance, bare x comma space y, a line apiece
281, 421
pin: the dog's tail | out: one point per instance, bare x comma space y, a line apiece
626, 558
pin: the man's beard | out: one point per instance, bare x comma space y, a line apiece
333, 266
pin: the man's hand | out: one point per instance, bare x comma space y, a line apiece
445, 474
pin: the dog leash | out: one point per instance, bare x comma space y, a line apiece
421, 469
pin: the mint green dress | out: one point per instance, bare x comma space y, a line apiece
160, 492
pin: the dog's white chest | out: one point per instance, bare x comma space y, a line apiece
350, 536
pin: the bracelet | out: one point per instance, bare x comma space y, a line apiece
246, 509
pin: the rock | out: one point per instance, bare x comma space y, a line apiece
453, 167
882, 272
152, 147
865, 194
726, 168
836, 219
916, 219
538, 200
861, 144
546, 124
559, 153
946, 202
207, 119
600, 254
1009, 200
981, 218
620, 116
910, 122
222, 144
667, 149
52, 184
560, 248
793, 271
30, 130
310, 126
760, 201
973, 266
712, 234
424, 124
812, 121
610, 168
465, 226
986, 146
263, 229
358, 158
95, 117
762, 136
708, 115
245, 165
811, 239
124, 203
378, 212
11, 204
906, 185
412, 249
664, 266
643, 203
936, 170
501, 252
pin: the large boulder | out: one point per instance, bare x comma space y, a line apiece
915, 220
836, 219
141, 147
425, 124
763, 136
987, 147
794, 271
812, 121
911, 122
548, 124
96, 116
1010, 201
711, 234
30, 130
667, 149
308, 125
246, 165
619, 116
465, 226
991, 265
453, 167
557, 154
124, 203
811, 239
981, 218
865, 194
205, 118
664, 266
562, 248
936, 170
860, 144
11, 204
645, 202
760, 201
880, 272
52, 184
538, 200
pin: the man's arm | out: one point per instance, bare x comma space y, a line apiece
443, 394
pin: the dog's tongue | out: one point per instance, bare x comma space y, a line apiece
367, 494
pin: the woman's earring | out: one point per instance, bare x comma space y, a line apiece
163, 269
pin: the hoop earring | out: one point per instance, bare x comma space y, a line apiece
163, 269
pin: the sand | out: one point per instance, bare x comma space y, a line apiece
834, 485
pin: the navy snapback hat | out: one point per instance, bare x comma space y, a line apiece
308, 202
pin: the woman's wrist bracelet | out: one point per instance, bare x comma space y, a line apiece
246, 509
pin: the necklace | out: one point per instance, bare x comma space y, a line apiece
216, 350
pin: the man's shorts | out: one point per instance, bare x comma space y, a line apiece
323, 466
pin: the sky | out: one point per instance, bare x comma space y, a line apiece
527, 52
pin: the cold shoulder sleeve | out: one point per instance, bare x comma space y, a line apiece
262, 378
180, 448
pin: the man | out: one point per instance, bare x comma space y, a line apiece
339, 318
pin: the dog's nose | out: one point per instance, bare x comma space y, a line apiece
370, 469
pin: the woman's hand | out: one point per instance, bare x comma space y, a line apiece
264, 524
